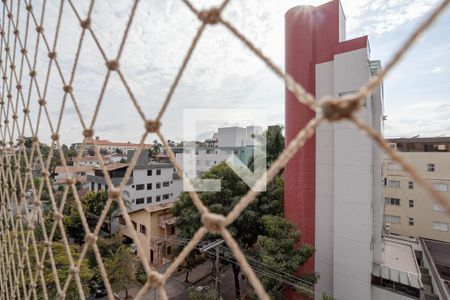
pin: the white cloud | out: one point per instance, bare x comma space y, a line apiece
425, 119
438, 70
222, 72
379, 16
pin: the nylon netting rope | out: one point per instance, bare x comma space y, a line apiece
21, 256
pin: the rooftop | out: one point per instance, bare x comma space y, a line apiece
93, 158
73, 169
439, 254
153, 208
113, 167
399, 264
116, 144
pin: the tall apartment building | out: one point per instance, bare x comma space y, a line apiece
408, 208
149, 184
333, 185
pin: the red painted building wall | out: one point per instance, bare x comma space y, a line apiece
312, 34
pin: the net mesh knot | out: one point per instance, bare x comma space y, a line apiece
112, 65
214, 223
57, 216
156, 279
152, 125
52, 55
90, 238
85, 24
114, 193
210, 16
88, 133
335, 110
68, 88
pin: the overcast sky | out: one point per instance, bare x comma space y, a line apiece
224, 74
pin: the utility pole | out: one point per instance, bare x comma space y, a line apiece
210, 246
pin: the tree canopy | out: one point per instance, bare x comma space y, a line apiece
257, 226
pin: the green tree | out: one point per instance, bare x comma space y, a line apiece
65, 150
72, 152
121, 268
93, 205
106, 246
62, 265
247, 228
276, 249
48, 224
274, 141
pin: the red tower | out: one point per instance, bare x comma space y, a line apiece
313, 36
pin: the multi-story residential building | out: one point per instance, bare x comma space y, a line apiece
92, 160
149, 184
237, 141
155, 229
408, 209
79, 173
333, 184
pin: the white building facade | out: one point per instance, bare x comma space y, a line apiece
333, 184
150, 184
238, 141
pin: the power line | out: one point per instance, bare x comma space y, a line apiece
257, 266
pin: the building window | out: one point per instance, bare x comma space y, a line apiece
440, 226
410, 185
158, 171
392, 201
149, 186
158, 198
149, 172
121, 220
393, 166
149, 199
140, 187
165, 196
430, 167
142, 229
411, 221
392, 219
99, 187
140, 201
166, 184
438, 207
92, 186
395, 184
172, 230
440, 187
134, 224
158, 185
411, 203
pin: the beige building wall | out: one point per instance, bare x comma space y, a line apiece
153, 238
420, 217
